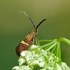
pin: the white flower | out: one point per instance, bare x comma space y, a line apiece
22, 53
49, 68
64, 66
35, 62
33, 47
21, 61
37, 57
58, 67
41, 64
15, 68
25, 68
50, 58
27, 55
41, 61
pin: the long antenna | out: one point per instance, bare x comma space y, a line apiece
29, 18
32, 22
40, 23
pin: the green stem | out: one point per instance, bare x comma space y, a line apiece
51, 47
64, 40
48, 45
45, 41
58, 50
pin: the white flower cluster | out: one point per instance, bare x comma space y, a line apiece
38, 59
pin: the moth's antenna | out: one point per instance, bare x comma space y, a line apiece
40, 23
29, 18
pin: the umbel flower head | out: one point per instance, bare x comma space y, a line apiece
46, 57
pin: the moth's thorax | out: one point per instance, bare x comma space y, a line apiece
30, 36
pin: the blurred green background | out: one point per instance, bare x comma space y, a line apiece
14, 26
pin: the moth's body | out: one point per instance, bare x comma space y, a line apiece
24, 44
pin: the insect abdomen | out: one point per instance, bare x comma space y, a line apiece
21, 47
25, 43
